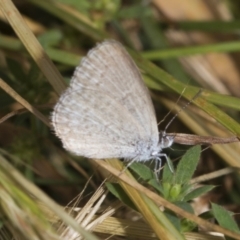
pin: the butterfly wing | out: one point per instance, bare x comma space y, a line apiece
108, 67
107, 111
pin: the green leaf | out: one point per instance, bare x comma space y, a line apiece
186, 189
187, 165
50, 38
198, 192
147, 175
185, 206
153, 182
224, 218
167, 174
183, 224
187, 225
133, 11
173, 219
208, 215
119, 193
142, 170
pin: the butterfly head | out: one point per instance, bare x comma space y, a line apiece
165, 140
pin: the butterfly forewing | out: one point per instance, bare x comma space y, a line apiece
107, 110
109, 68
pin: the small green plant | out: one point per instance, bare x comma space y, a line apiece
177, 188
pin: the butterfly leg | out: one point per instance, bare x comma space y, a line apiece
158, 164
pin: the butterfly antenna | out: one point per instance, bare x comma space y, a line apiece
184, 107
172, 108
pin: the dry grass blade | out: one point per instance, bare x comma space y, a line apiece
85, 215
32, 45
116, 226
22, 211
205, 127
33, 25
121, 227
90, 216
28, 187
23, 102
212, 175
